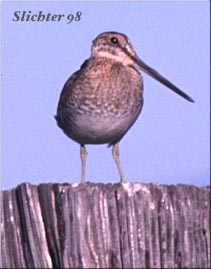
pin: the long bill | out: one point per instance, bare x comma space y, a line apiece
153, 73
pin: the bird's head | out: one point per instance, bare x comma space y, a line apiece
117, 47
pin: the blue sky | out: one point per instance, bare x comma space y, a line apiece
169, 143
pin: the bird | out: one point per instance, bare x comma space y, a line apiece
102, 100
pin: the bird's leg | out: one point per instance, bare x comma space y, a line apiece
83, 154
115, 153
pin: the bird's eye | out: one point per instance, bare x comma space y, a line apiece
114, 40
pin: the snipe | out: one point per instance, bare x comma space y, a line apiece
100, 102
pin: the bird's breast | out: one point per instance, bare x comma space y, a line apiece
112, 88
102, 103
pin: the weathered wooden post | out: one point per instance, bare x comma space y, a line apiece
131, 225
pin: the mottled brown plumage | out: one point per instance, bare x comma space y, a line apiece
101, 101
